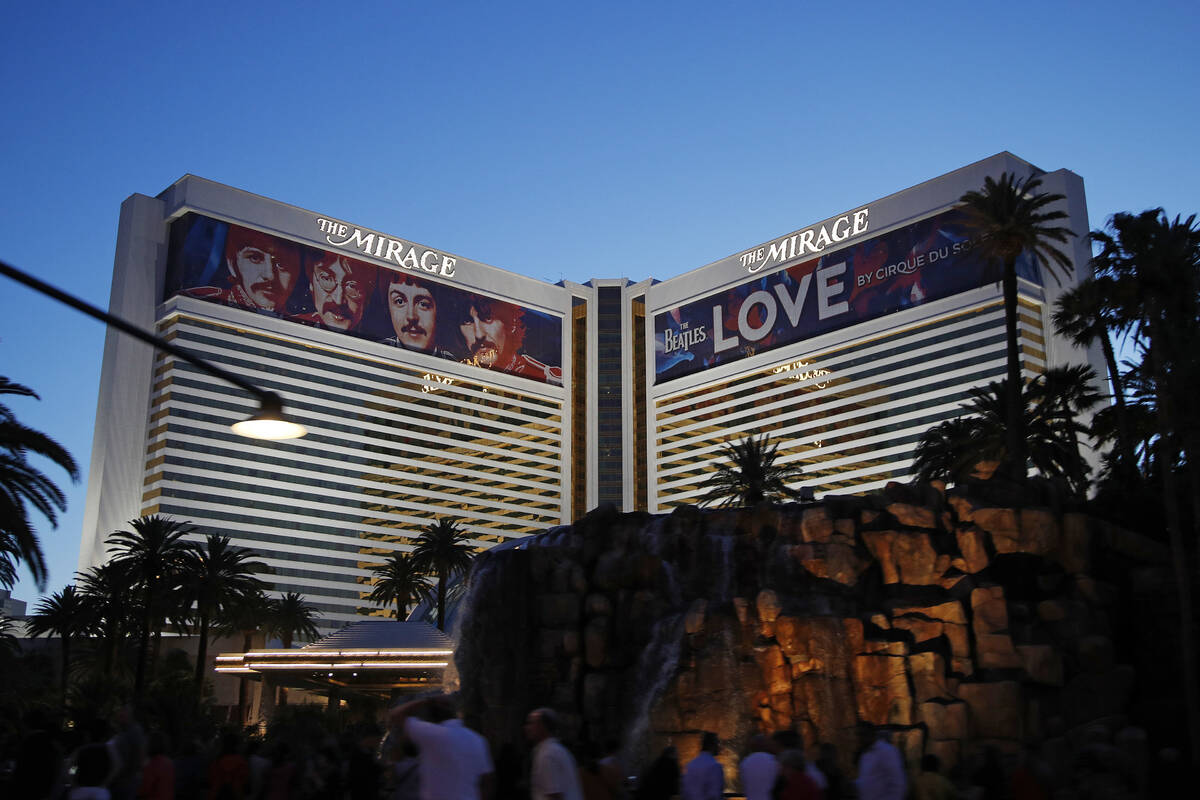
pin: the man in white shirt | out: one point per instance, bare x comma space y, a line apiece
759, 770
554, 775
454, 761
704, 778
881, 772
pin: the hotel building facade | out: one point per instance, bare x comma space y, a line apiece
434, 386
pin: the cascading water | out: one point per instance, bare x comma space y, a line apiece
655, 670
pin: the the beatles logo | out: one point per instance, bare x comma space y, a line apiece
683, 339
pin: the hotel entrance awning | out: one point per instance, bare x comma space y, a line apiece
377, 657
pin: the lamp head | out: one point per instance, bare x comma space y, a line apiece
270, 422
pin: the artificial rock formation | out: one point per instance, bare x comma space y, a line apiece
953, 623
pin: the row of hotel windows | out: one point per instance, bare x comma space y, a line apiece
828, 416
284, 352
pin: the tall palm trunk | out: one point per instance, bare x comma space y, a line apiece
201, 654
243, 681
139, 678
1167, 450
1014, 436
286, 641
441, 600
1124, 434
66, 667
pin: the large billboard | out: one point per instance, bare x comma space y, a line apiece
228, 264
924, 261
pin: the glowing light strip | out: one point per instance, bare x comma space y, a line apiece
361, 653
341, 665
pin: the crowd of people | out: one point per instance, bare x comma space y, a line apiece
427, 752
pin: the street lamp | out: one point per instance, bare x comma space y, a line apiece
270, 421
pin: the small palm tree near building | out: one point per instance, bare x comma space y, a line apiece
1009, 216
106, 589
247, 615
443, 549
24, 487
751, 475
291, 617
151, 553
64, 614
1086, 315
215, 576
399, 582
1052, 406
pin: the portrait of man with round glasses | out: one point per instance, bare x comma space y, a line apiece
339, 287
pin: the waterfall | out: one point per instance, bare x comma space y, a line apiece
655, 669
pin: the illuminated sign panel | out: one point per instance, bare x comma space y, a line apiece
224, 263
924, 261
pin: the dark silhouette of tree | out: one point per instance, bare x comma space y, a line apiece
215, 576
1010, 217
443, 550
399, 582
954, 450
1088, 314
107, 589
289, 617
8, 639
64, 614
151, 554
22, 485
1155, 262
1052, 406
750, 475
247, 615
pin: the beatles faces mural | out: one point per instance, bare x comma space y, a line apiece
924, 261
224, 263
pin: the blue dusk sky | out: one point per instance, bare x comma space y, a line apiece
557, 140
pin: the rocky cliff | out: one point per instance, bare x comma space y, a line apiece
951, 622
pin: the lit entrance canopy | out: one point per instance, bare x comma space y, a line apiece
378, 657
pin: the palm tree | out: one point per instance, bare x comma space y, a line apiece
443, 550
1051, 407
290, 616
215, 575
1010, 217
398, 581
750, 475
23, 485
247, 615
151, 554
953, 450
64, 614
1087, 314
1156, 264
106, 590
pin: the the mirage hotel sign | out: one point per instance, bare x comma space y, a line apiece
807, 242
408, 256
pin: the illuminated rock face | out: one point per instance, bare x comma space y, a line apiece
952, 623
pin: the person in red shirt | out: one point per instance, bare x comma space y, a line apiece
229, 774
794, 781
158, 775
